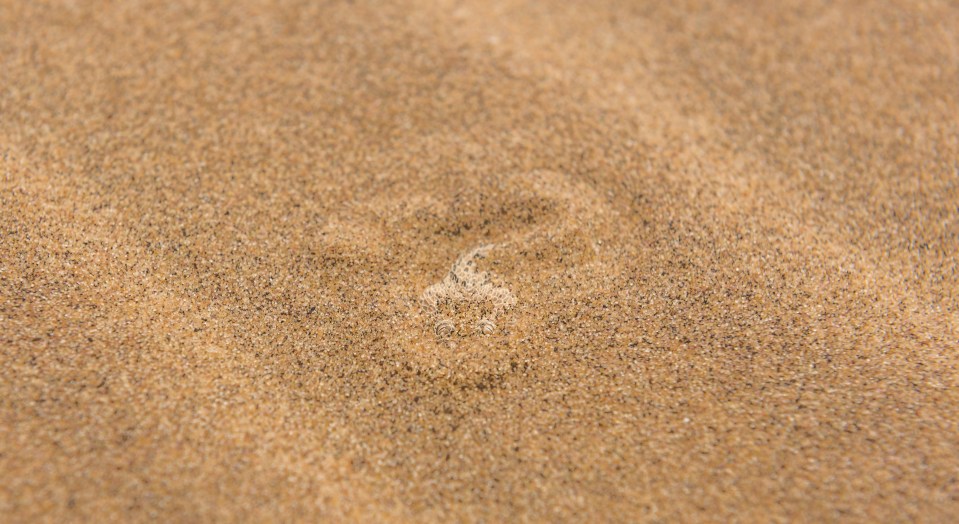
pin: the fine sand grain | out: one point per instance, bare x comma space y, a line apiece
691, 260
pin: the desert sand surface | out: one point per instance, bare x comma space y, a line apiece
498, 261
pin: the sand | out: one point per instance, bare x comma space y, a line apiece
730, 230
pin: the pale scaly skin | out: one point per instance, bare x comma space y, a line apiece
464, 283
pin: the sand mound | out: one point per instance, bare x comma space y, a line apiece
702, 256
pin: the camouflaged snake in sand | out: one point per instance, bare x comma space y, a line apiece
464, 285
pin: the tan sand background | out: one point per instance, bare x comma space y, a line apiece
730, 228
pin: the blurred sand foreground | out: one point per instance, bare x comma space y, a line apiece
730, 230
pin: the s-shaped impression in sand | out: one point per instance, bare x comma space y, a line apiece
464, 286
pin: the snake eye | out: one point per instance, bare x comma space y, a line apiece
485, 326
444, 327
